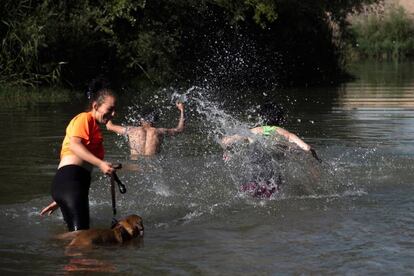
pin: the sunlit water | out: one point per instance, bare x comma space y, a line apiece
352, 214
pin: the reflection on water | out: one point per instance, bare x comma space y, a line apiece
381, 105
351, 214
379, 87
88, 265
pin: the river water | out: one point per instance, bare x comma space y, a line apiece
351, 214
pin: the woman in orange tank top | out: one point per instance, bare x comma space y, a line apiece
82, 149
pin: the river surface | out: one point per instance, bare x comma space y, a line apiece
353, 214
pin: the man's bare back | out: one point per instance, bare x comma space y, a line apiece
146, 139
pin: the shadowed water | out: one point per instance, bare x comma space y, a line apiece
352, 214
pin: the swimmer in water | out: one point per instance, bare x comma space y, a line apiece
146, 139
273, 117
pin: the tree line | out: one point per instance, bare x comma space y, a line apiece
237, 42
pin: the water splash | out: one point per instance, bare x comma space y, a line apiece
190, 180
267, 159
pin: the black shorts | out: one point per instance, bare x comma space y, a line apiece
70, 190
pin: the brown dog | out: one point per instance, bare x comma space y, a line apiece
124, 230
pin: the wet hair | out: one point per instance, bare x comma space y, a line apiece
150, 116
98, 90
272, 114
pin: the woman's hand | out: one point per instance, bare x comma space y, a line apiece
49, 209
106, 167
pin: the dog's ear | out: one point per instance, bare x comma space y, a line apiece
127, 227
118, 229
123, 232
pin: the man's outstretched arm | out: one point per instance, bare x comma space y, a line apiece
181, 123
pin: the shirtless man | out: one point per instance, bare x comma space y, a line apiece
146, 139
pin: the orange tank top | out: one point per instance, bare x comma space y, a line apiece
84, 126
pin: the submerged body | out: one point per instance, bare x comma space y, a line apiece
266, 178
260, 189
259, 167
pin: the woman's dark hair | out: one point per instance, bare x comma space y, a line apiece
272, 114
98, 90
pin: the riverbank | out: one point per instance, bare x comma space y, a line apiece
382, 31
408, 6
29, 96
383, 6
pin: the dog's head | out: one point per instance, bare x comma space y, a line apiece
130, 227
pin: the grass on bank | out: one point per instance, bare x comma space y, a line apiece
26, 97
389, 36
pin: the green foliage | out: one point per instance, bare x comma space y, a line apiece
23, 37
264, 11
387, 37
262, 41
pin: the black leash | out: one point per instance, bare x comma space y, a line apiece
113, 196
122, 190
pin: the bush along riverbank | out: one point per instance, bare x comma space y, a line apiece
20, 96
384, 36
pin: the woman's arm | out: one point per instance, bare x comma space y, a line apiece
83, 153
293, 138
